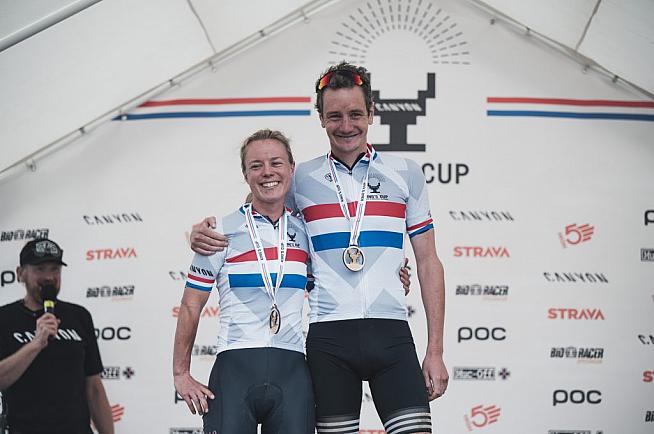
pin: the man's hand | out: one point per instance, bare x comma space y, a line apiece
436, 376
46, 327
195, 394
206, 241
405, 276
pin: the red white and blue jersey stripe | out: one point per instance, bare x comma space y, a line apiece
244, 303
397, 204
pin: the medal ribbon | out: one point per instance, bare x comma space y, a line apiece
355, 227
261, 255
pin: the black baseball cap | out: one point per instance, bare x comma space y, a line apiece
40, 251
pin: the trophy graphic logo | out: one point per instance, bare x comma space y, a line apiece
399, 114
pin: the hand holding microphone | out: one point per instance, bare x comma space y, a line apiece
48, 324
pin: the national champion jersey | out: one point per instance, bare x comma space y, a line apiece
244, 303
397, 204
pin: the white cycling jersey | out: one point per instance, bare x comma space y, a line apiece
397, 204
244, 303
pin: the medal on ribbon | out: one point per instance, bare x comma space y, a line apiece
275, 318
353, 257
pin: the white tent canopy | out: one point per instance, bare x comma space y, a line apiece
106, 56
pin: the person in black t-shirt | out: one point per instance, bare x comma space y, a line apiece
49, 362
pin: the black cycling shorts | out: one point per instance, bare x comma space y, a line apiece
341, 354
267, 386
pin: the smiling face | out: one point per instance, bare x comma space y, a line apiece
346, 119
268, 172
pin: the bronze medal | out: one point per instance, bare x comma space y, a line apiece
275, 320
353, 258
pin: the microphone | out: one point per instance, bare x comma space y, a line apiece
49, 297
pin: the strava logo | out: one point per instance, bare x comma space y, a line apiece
480, 252
576, 314
575, 234
482, 416
207, 312
107, 254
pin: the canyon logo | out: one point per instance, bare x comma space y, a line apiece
481, 252
481, 216
110, 254
110, 219
574, 277
372, 26
565, 313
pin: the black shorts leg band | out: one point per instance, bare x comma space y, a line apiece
408, 420
346, 424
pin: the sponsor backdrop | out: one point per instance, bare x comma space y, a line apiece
540, 180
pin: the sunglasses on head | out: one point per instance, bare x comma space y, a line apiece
324, 80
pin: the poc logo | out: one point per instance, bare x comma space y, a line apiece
7, 277
576, 397
482, 333
111, 333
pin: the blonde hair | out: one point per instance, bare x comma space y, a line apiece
266, 134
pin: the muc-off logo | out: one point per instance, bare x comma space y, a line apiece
647, 255
481, 416
398, 114
495, 292
186, 431
116, 373
120, 292
480, 373
581, 354
24, 234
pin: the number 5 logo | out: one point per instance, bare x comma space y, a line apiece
481, 416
